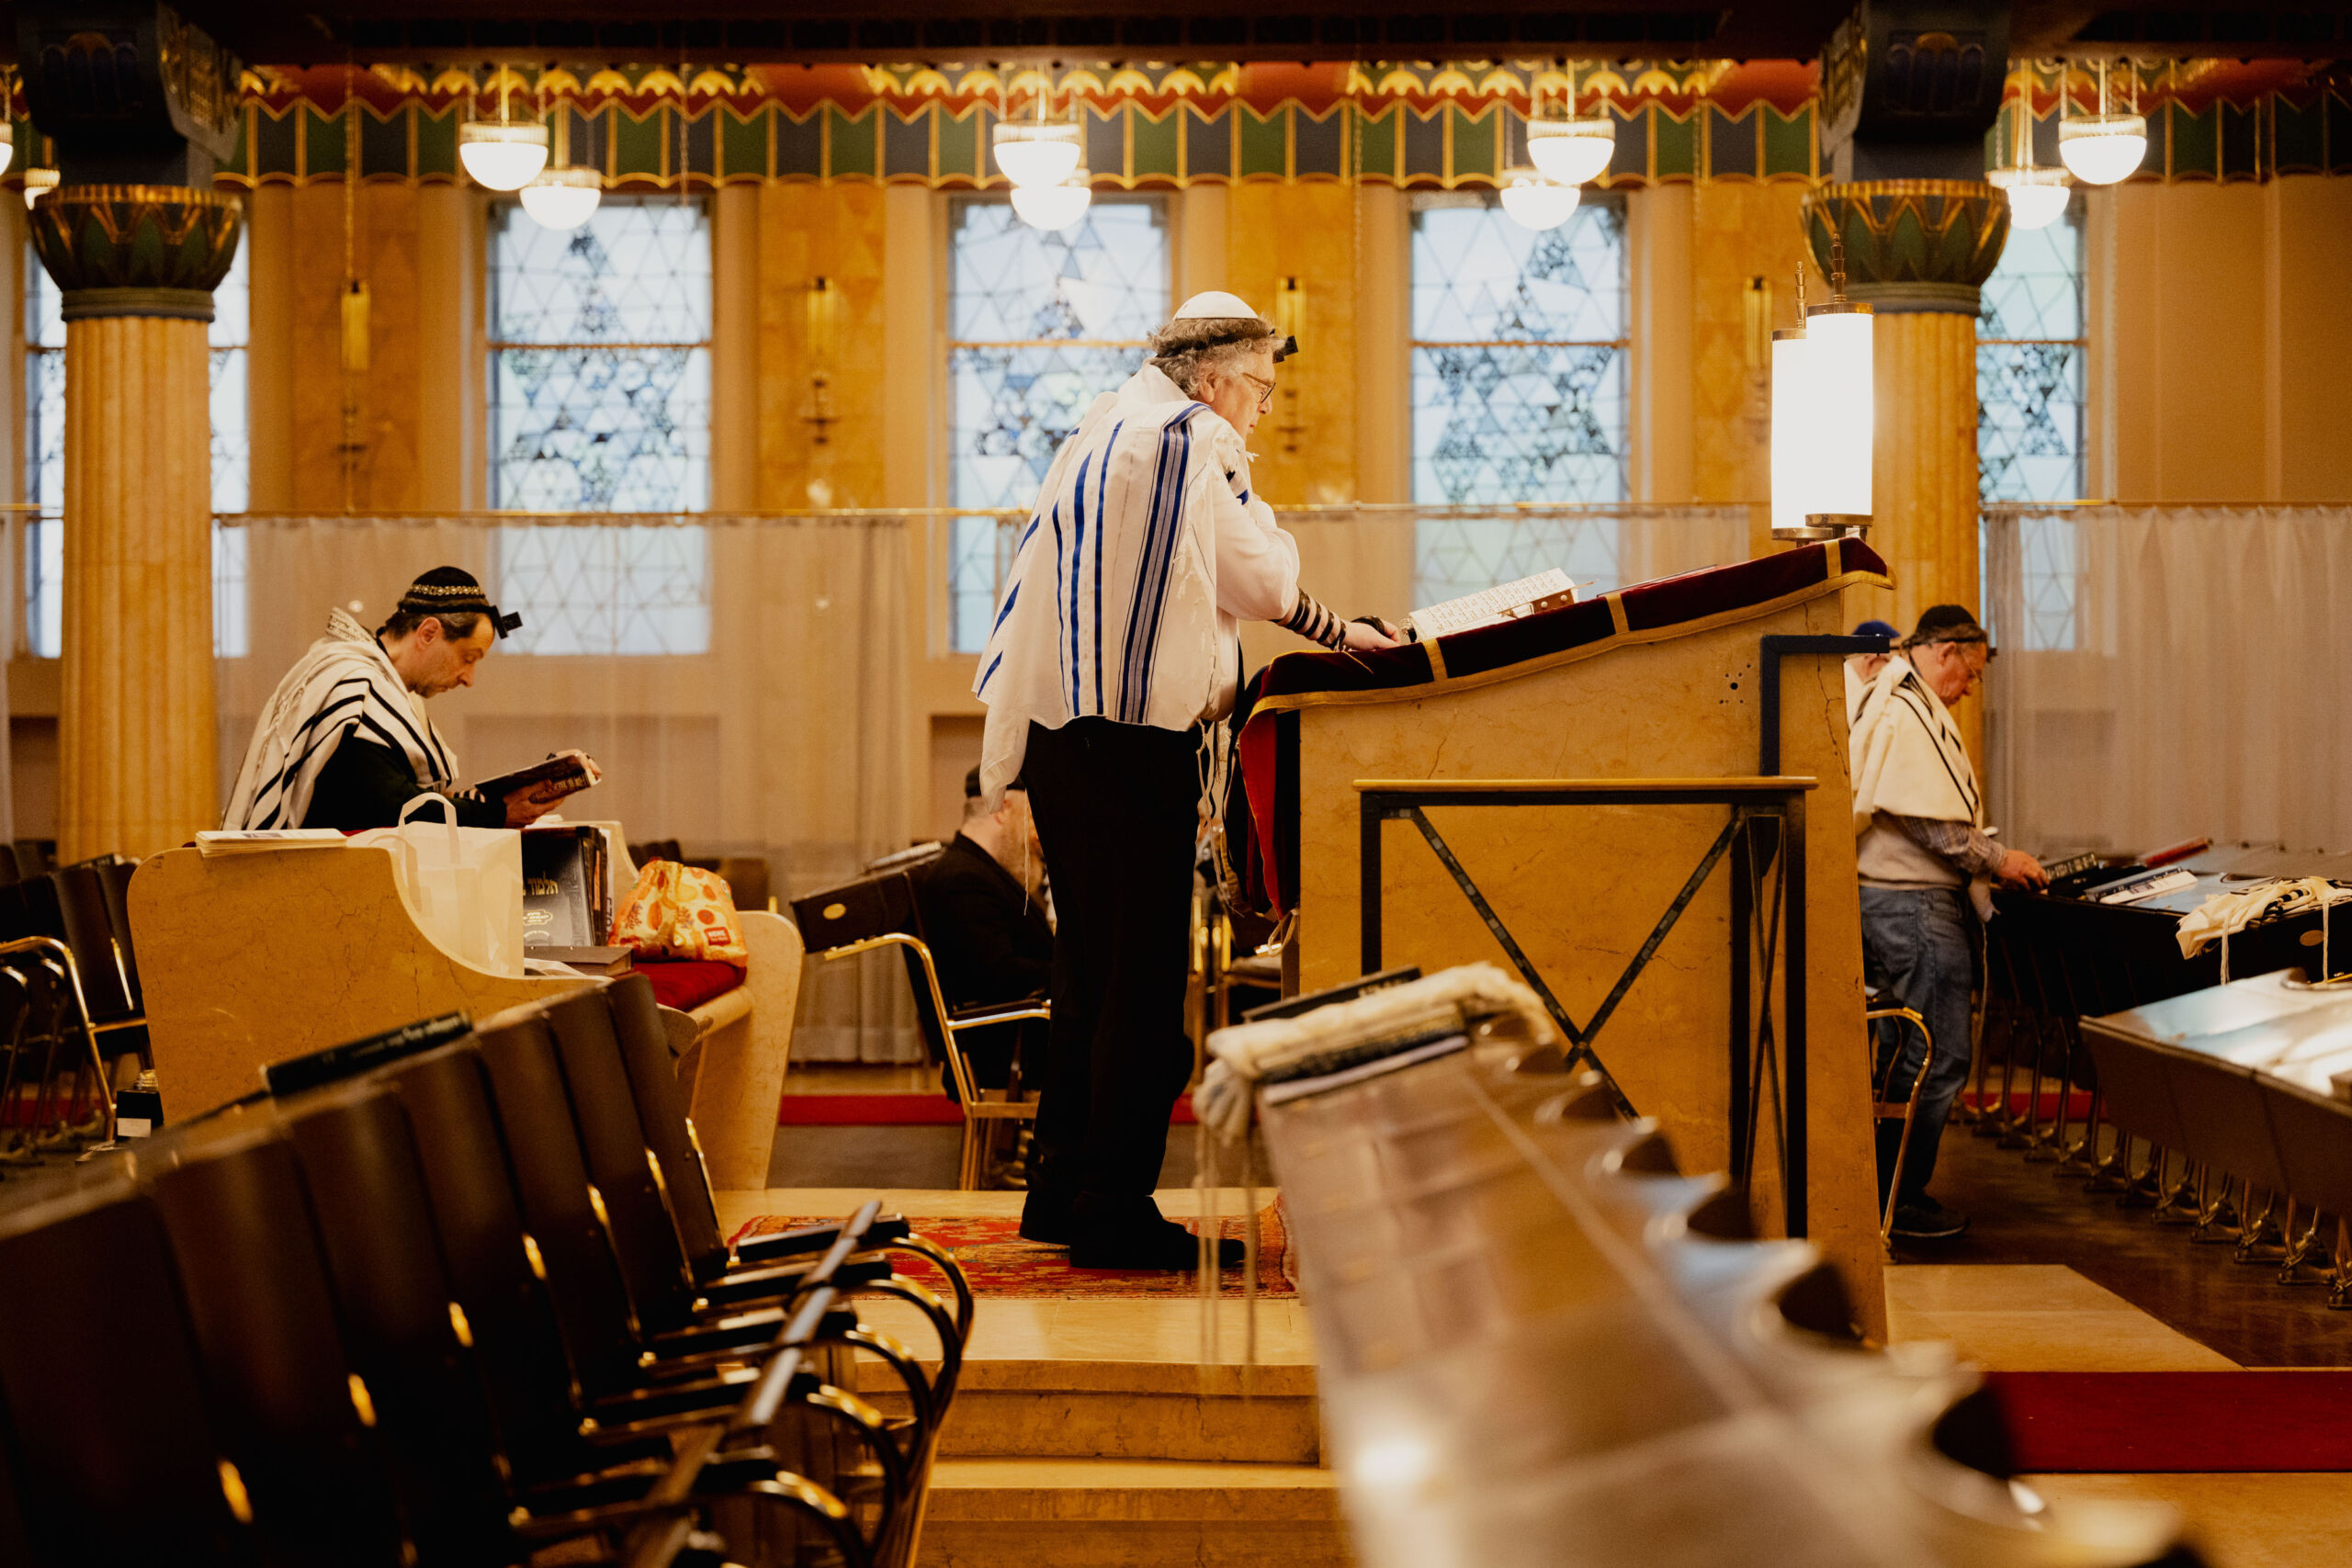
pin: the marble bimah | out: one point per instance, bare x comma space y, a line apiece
1654, 695
138, 104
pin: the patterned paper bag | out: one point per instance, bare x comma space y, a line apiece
681, 911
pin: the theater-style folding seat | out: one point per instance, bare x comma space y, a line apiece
114, 1453
292, 1410
664, 1130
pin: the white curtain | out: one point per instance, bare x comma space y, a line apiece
743, 682
2170, 672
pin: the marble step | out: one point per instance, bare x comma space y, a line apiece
1127, 1410
1113, 1513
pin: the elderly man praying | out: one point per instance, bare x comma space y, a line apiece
1116, 645
1922, 851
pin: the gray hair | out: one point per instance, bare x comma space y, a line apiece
1196, 347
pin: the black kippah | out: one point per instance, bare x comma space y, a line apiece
454, 591
1947, 623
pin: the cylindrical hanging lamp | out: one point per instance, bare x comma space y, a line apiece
1824, 423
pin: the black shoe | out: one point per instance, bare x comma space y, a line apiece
1163, 1244
1046, 1215
1924, 1219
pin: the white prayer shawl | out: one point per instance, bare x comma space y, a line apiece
1144, 552
344, 686
1907, 754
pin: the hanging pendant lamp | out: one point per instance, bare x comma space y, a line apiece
1038, 151
2103, 149
1055, 207
502, 154
1571, 148
2037, 196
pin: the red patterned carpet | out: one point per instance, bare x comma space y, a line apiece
999, 1263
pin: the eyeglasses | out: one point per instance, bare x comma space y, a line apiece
1265, 392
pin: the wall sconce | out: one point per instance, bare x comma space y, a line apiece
1756, 302
1823, 415
824, 308
1290, 320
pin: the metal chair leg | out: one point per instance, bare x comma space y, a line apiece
2298, 1259
2178, 1203
2081, 1158
2259, 1232
2217, 1220
2142, 1189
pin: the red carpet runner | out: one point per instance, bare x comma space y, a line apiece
999, 1263
2116, 1422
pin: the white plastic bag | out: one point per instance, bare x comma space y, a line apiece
465, 884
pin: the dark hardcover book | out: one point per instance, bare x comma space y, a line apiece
566, 772
556, 905
610, 961
353, 1057
1363, 985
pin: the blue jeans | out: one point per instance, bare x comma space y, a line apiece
1918, 947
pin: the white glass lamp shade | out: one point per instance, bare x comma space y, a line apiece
36, 181
2037, 196
502, 157
1837, 376
1056, 206
1536, 201
1791, 431
563, 198
2101, 149
1572, 150
8, 145
1036, 152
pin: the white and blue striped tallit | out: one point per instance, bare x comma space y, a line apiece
1144, 552
343, 688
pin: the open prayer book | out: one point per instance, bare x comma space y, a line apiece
563, 773
1508, 600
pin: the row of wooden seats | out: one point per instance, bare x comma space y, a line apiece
449, 1296
70, 1004
2204, 1141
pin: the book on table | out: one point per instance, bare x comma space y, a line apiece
563, 887
1505, 602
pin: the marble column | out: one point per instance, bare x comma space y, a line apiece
135, 266
1917, 252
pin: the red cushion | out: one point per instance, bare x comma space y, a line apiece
687, 983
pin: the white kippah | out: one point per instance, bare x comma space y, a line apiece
1215, 305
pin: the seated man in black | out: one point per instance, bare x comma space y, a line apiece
988, 931
345, 742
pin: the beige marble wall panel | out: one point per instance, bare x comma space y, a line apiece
1307, 231
270, 346
809, 231
1580, 888
388, 402
136, 735
250, 959
733, 1101
2310, 267
1738, 232
1923, 471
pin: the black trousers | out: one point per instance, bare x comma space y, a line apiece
1117, 811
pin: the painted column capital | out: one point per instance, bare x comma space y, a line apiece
136, 249
1910, 244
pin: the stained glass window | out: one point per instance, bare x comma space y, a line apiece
2030, 363
232, 453
45, 458
600, 401
1040, 322
44, 468
1520, 362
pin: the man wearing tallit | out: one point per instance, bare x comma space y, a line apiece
1924, 858
1117, 639
344, 741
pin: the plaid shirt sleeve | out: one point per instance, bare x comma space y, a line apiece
1961, 843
